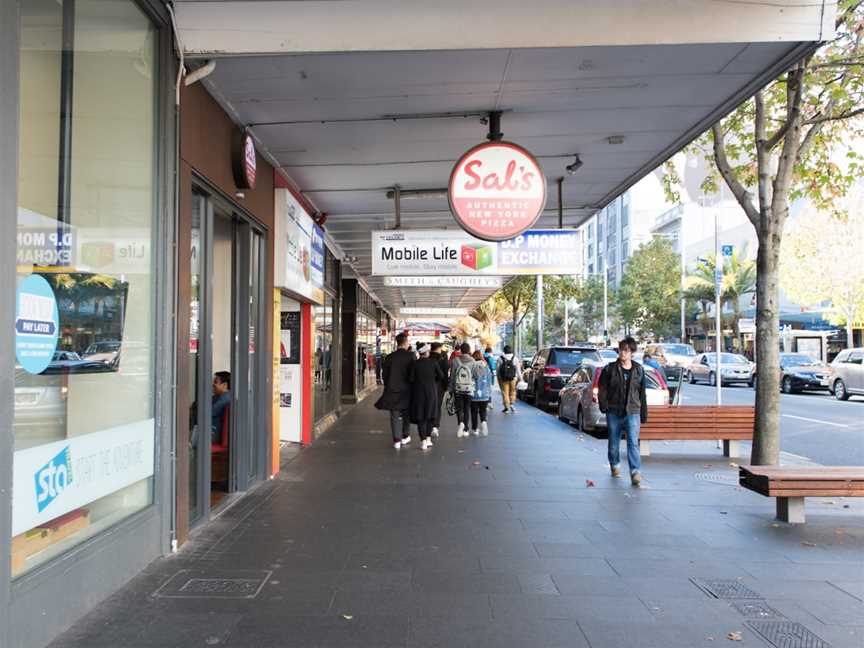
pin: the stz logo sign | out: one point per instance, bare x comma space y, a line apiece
53, 478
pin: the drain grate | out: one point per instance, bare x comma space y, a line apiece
757, 610
730, 479
787, 634
725, 589
232, 586
241, 584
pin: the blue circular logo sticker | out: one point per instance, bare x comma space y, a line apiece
37, 324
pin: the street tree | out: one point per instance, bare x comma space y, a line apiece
589, 311
650, 292
518, 296
781, 145
820, 260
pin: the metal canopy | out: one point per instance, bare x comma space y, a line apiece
346, 127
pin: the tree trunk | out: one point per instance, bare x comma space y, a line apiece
849, 336
766, 437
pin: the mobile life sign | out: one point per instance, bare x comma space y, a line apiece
497, 190
441, 253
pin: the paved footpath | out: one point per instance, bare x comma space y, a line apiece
497, 542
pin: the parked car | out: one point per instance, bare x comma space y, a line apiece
847, 374
677, 355
103, 351
549, 369
799, 372
40, 407
577, 400
736, 369
608, 355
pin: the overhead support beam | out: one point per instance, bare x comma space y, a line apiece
220, 28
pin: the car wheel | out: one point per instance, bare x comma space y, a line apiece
580, 420
840, 392
712, 379
786, 385
691, 378
561, 417
753, 382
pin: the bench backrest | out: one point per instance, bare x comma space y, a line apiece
695, 422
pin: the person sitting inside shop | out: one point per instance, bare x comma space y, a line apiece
220, 405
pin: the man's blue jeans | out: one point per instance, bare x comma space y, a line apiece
628, 425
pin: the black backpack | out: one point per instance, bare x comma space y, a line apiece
508, 369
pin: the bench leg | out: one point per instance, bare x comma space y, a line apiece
790, 509
644, 448
731, 449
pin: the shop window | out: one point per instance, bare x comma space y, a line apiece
83, 416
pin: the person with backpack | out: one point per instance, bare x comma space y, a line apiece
508, 376
482, 395
462, 387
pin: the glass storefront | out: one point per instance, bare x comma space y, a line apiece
85, 338
324, 358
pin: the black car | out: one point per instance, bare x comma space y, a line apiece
799, 371
550, 368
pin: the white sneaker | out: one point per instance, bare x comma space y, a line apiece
484, 429
425, 444
475, 432
435, 432
460, 431
406, 440
512, 409
397, 444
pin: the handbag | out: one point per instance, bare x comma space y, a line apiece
450, 404
521, 385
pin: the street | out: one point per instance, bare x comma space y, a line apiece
813, 424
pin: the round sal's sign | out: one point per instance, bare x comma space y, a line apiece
497, 191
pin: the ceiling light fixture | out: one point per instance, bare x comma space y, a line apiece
573, 168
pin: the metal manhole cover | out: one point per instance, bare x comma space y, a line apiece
725, 589
787, 634
757, 610
241, 584
730, 479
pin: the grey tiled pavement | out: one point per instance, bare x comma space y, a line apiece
492, 542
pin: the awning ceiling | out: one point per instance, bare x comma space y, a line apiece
345, 127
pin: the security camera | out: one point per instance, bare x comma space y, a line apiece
573, 168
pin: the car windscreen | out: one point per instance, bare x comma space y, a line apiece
568, 360
728, 358
797, 360
679, 349
651, 381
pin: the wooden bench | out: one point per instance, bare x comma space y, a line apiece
729, 423
791, 484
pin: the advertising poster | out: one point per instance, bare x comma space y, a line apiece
299, 249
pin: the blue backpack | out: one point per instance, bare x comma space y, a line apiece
482, 383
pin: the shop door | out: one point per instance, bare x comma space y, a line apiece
228, 448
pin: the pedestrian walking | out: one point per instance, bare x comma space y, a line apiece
462, 387
649, 361
482, 395
396, 398
508, 376
425, 377
621, 396
489, 357
439, 355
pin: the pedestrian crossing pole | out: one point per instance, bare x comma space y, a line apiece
539, 312
718, 288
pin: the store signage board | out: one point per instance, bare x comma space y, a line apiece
480, 281
441, 253
497, 190
299, 250
244, 160
53, 479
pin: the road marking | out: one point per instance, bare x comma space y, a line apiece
803, 418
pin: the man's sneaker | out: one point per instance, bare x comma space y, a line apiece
512, 409
484, 429
616, 472
429, 441
397, 444
435, 432
475, 432
425, 444
636, 478
406, 440
460, 431
505, 410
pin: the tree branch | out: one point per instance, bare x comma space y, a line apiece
738, 190
821, 120
791, 151
762, 151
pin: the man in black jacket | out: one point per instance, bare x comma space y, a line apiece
621, 396
397, 391
441, 358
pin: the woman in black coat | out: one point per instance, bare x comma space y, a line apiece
425, 376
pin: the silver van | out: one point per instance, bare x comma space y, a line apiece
847, 374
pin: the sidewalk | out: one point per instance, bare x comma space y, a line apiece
497, 542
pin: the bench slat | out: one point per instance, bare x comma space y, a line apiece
820, 492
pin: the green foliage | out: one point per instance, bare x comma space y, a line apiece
649, 297
739, 279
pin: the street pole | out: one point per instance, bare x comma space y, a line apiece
605, 304
566, 338
539, 312
718, 281
681, 242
